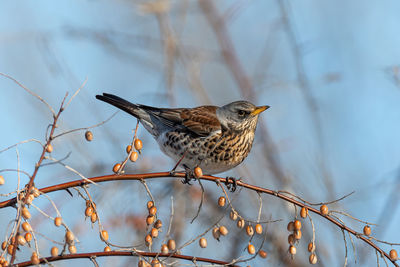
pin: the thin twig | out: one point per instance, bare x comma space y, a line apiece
86, 128
20, 143
76, 92
201, 201
30, 92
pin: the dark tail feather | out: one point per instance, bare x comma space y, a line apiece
120, 103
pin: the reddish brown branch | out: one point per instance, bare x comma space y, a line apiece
37, 166
160, 175
125, 253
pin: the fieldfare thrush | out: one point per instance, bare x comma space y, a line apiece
214, 138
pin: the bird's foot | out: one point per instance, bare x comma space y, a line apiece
231, 183
189, 175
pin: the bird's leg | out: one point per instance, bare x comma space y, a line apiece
172, 172
231, 183
188, 175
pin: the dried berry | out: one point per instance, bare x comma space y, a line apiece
203, 242
259, 228
171, 244
324, 209
138, 144
367, 230
198, 172
221, 201
54, 251
303, 212
251, 249
89, 136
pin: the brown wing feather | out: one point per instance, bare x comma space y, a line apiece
201, 120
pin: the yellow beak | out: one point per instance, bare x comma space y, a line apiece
258, 110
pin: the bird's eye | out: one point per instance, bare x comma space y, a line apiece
241, 113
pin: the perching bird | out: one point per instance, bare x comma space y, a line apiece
214, 138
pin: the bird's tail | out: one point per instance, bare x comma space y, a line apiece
121, 103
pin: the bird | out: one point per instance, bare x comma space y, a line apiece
216, 139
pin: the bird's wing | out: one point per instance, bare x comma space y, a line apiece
201, 121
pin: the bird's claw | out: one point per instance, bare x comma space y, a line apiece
231, 183
188, 176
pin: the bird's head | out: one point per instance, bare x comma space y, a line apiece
239, 115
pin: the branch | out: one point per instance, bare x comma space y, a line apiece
124, 253
227, 181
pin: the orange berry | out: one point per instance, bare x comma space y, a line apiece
88, 211
149, 240
221, 201
134, 156
116, 167
128, 149
164, 249
25, 213
303, 212
10, 249
21, 240
251, 249
311, 247
89, 136
154, 232
28, 237
150, 204
297, 225
150, 219
143, 263
107, 249
57, 221
313, 258
223, 230
156, 263
290, 226
171, 244
198, 172
93, 217
240, 223
69, 236
35, 259
324, 209
49, 148
297, 234
153, 211
203, 242
263, 254
216, 234
104, 235
2, 181
393, 255
138, 144
249, 230
367, 230
54, 251
292, 250
72, 249
4, 245
233, 216
26, 226
259, 228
